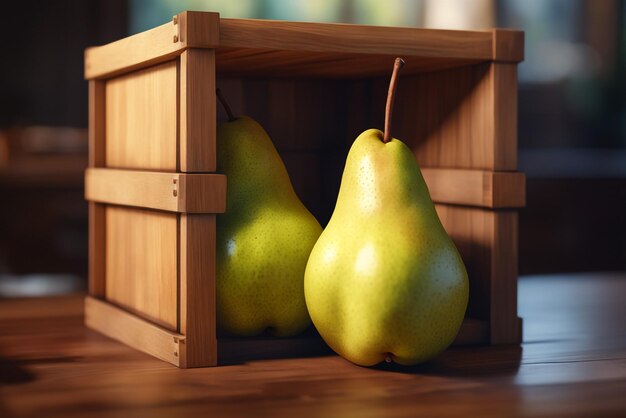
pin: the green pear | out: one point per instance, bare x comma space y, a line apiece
384, 281
263, 239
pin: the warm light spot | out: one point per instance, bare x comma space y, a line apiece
231, 247
329, 254
366, 261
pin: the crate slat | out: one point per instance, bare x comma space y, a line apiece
174, 192
125, 327
247, 46
479, 188
163, 43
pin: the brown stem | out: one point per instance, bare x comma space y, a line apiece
391, 95
224, 103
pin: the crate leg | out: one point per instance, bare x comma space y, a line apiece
197, 290
504, 323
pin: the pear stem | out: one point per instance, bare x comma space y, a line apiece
224, 103
391, 95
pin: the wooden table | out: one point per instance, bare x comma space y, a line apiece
572, 363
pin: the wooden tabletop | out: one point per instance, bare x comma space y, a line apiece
572, 363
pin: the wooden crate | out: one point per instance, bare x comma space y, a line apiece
154, 194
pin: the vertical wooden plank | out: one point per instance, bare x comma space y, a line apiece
96, 211
503, 311
96, 123
197, 113
503, 78
197, 318
97, 285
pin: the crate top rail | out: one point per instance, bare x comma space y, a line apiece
297, 49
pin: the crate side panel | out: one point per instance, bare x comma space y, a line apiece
141, 263
141, 119
505, 326
441, 116
459, 118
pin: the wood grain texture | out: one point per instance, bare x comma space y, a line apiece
174, 192
142, 263
503, 80
476, 187
461, 118
343, 38
197, 290
250, 62
449, 118
199, 29
303, 49
141, 119
570, 365
295, 49
163, 43
197, 111
504, 326
96, 131
97, 247
508, 45
132, 330
97, 154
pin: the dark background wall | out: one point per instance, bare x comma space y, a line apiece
41, 79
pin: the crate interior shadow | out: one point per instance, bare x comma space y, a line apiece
313, 122
466, 362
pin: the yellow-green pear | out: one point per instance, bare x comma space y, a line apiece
263, 239
384, 281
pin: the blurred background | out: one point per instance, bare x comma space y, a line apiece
572, 120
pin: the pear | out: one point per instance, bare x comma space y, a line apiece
384, 281
263, 239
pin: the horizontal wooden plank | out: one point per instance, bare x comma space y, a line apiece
174, 192
186, 30
499, 189
297, 64
346, 38
125, 327
286, 48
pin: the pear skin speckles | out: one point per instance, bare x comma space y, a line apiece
263, 240
384, 280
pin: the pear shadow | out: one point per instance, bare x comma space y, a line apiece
314, 121
468, 362
238, 350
